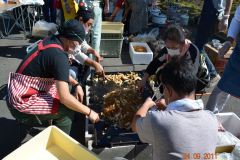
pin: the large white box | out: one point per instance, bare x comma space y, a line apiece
140, 57
231, 122
52, 144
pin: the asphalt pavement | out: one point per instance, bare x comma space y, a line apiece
12, 51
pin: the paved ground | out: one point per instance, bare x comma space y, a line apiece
11, 52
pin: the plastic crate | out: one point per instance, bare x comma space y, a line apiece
112, 27
111, 45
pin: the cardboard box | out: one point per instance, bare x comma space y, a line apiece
51, 144
140, 57
219, 63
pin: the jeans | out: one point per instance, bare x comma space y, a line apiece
49, 11
211, 68
206, 27
73, 71
217, 100
97, 28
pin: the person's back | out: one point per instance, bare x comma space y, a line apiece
183, 130
185, 133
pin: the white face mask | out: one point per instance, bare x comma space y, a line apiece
86, 28
74, 50
173, 52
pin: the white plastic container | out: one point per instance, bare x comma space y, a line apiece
52, 144
140, 57
231, 122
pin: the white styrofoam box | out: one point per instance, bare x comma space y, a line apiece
230, 121
140, 57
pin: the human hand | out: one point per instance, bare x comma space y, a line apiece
110, 19
93, 116
99, 69
79, 94
224, 49
106, 9
141, 85
223, 24
220, 127
149, 102
98, 57
161, 103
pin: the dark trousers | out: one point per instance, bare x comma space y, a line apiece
62, 119
49, 11
206, 28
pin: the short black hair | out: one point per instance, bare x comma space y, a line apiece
85, 12
178, 74
174, 33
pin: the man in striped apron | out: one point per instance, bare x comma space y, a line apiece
39, 90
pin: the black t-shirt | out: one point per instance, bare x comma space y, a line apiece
50, 63
161, 59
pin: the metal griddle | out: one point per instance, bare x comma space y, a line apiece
107, 134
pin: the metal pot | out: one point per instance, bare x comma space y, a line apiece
155, 12
159, 19
184, 19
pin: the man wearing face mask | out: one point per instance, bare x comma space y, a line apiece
85, 17
183, 128
39, 90
175, 45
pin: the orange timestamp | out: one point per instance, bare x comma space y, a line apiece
195, 156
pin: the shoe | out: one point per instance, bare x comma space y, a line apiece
213, 82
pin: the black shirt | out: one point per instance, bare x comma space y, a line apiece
50, 63
158, 62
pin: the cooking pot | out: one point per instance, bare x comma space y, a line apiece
184, 19
155, 12
159, 19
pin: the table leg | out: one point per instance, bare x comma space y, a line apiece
23, 23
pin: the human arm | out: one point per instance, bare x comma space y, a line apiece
85, 48
97, 66
96, 54
223, 23
142, 112
72, 103
78, 91
232, 33
114, 13
127, 10
153, 66
116, 9
106, 7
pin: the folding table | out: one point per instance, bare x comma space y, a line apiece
16, 12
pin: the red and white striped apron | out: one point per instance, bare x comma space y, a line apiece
33, 95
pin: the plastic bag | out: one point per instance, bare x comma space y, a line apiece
224, 156
43, 28
227, 138
147, 37
32, 2
235, 155
236, 152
